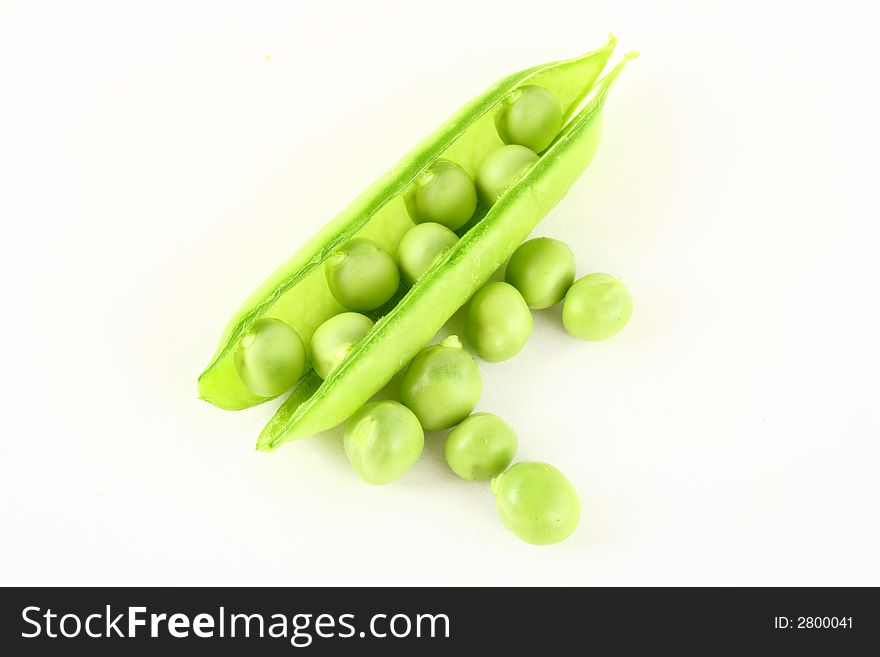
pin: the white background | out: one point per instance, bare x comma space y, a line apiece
159, 159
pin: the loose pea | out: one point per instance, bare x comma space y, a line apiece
361, 275
498, 322
542, 270
445, 195
596, 307
270, 357
383, 440
480, 447
500, 169
537, 503
531, 116
420, 247
442, 384
334, 338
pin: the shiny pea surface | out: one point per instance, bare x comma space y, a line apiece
498, 322
537, 502
596, 307
542, 269
383, 440
270, 357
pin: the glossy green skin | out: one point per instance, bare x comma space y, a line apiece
502, 168
537, 503
361, 275
596, 307
531, 116
444, 195
270, 357
383, 440
421, 247
480, 447
380, 214
498, 322
333, 340
442, 385
542, 270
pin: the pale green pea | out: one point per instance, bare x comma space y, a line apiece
361, 275
500, 169
333, 339
420, 248
596, 307
445, 195
531, 116
498, 322
536, 502
480, 447
442, 384
542, 269
383, 440
270, 357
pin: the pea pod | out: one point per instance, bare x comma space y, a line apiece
297, 292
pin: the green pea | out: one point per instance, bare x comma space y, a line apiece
537, 503
480, 447
420, 248
542, 270
498, 322
500, 169
334, 338
596, 307
383, 440
361, 275
531, 116
442, 384
445, 195
270, 357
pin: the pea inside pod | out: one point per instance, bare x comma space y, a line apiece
444, 195
334, 339
531, 116
270, 358
361, 275
501, 168
421, 247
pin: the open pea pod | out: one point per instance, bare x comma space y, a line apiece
297, 292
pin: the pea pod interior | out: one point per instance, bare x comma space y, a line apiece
297, 292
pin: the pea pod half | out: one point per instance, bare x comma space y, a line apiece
297, 292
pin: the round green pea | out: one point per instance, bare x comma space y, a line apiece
596, 307
361, 275
270, 357
537, 503
334, 338
442, 384
480, 447
420, 248
542, 270
500, 169
531, 116
383, 440
498, 322
445, 195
